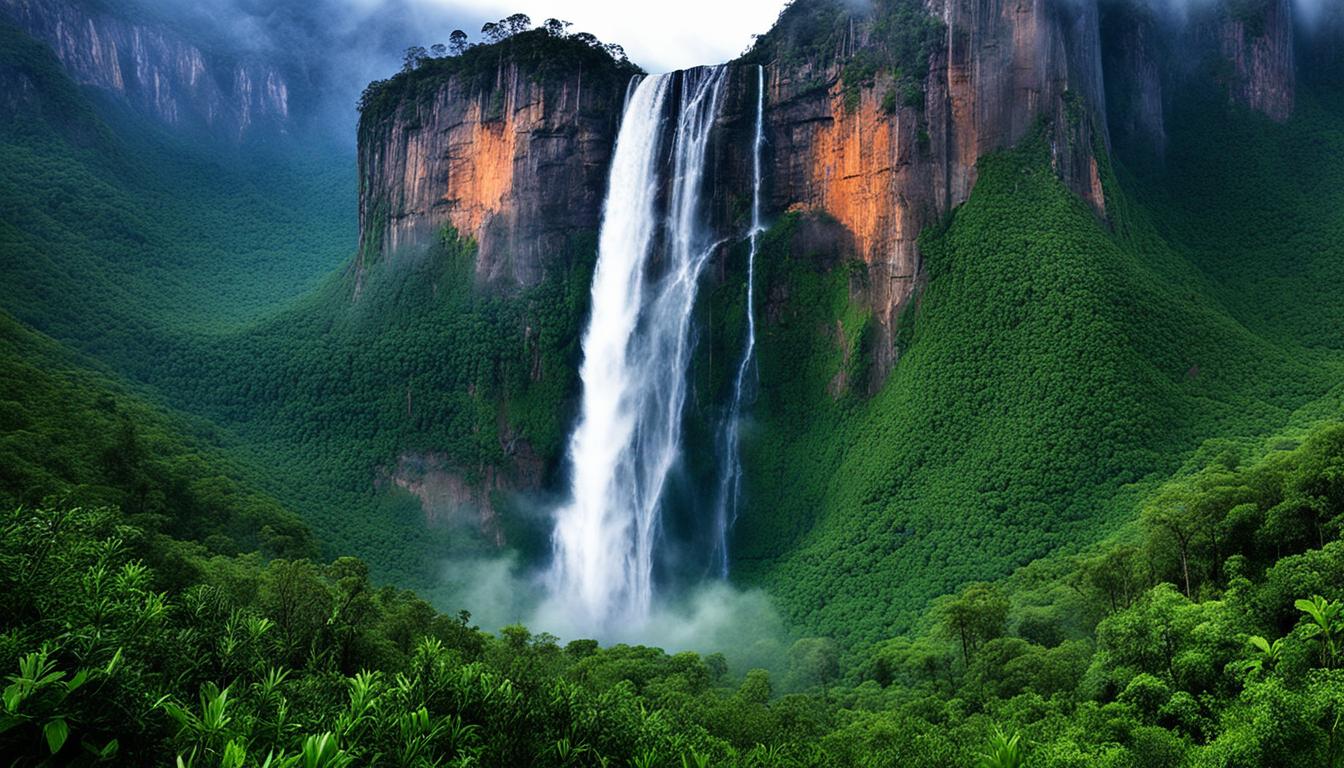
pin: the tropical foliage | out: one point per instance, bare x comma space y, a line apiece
1098, 659
1053, 369
1164, 379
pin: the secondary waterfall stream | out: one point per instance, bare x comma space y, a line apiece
730, 484
651, 252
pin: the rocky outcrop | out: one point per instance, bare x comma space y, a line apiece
1259, 47
155, 70
1135, 67
886, 166
452, 498
515, 159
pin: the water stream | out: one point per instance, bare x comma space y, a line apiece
652, 249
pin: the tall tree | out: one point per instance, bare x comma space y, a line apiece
414, 56
457, 42
977, 614
517, 23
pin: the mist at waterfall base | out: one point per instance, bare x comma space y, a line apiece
710, 617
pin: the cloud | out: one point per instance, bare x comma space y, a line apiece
333, 48
1308, 11
658, 36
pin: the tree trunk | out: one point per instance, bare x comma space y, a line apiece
1185, 567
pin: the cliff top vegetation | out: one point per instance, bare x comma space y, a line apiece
893, 37
545, 53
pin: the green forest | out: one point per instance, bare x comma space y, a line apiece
1091, 518
1054, 368
1211, 636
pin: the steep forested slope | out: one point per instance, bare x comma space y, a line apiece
1072, 662
423, 375
117, 232
73, 433
1055, 362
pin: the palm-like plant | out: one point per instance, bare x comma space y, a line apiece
208, 733
323, 751
567, 752
773, 756
365, 692
419, 733
1267, 656
1004, 751
37, 696
1327, 625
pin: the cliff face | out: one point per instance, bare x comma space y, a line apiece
886, 166
516, 161
155, 70
886, 149
1260, 48
1253, 54
1133, 60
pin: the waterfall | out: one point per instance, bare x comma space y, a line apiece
635, 354
730, 482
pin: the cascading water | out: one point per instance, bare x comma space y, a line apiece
635, 354
730, 482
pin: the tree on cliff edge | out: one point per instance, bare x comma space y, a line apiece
457, 42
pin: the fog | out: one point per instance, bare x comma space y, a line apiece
715, 617
331, 49
1307, 11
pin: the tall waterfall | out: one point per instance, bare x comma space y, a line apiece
635, 353
730, 482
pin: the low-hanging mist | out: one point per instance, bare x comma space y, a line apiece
713, 617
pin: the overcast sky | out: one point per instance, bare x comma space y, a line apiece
345, 44
658, 36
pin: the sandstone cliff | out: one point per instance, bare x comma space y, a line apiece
854, 143
887, 156
1259, 47
155, 70
509, 148
876, 117
1134, 60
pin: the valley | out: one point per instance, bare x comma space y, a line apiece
937, 383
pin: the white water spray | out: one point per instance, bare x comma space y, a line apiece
635, 354
730, 483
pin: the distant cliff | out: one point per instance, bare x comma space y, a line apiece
157, 71
510, 144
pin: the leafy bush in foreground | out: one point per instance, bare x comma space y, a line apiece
1095, 660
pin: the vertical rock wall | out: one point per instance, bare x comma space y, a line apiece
520, 165
157, 71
